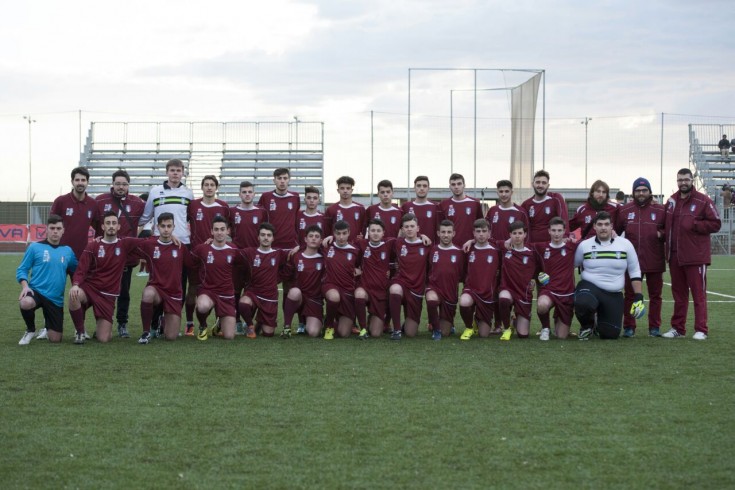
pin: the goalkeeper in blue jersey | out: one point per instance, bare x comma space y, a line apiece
605, 260
42, 276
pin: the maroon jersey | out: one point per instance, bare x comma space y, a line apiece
282, 211
391, 218
308, 271
133, 206
499, 220
244, 224
340, 263
78, 216
307, 220
215, 266
558, 263
483, 265
641, 225
463, 214
446, 270
427, 216
201, 216
165, 262
376, 260
102, 263
541, 212
517, 272
265, 267
354, 214
412, 258
584, 215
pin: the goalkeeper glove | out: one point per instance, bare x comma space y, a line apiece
543, 278
638, 309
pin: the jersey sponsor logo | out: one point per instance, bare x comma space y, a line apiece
435, 258
101, 252
472, 257
631, 216
495, 217
200, 215
532, 212
450, 212
367, 253
330, 254
404, 251
547, 254
210, 258
300, 266
272, 206
156, 253
237, 218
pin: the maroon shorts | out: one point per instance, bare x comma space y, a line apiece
267, 309
377, 302
170, 304
223, 305
312, 307
447, 309
484, 309
103, 305
563, 306
193, 278
346, 300
414, 305
521, 305
240, 279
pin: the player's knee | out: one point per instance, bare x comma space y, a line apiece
608, 331
294, 294
584, 304
396, 289
332, 295
505, 295
27, 303
466, 300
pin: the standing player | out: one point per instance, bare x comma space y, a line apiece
129, 209
516, 283
282, 206
96, 282
598, 200
409, 283
48, 262
371, 294
690, 219
461, 210
305, 296
339, 282
78, 210
643, 222
505, 212
261, 296
166, 261
215, 262
477, 301
386, 211
346, 209
310, 215
446, 269
543, 206
426, 211
556, 259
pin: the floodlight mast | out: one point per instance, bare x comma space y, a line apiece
29, 204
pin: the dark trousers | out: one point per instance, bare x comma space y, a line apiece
123, 301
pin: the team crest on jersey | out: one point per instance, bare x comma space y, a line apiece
210, 258
495, 217
273, 261
330, 254
451, 210
117, 251
70, 211
428, 213
547, 254
421, 252
594, 255
653, 216
525, 260
564, 252
156, 253
617, 255
290, 205
256, 261
229, 259
404, 251
302, 224
382, 255
108, 207
367, 253
200, 215
472, 257
357, 215
588, 219
272, 206
511, 219
393, 220
318, 266
467, 211
435, 258
89, 213
183, 200
532, 212
174, 253
237, 218
339, 215
349, 257
127, 208
489, 259
692, 207
547, 209
631, 216
300, 266
410, 210
508, 254
453, 259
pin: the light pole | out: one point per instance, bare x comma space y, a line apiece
586, 123
30, 172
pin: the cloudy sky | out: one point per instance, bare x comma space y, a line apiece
335, 61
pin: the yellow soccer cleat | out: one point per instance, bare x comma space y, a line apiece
329, 334
467, 334
506, 334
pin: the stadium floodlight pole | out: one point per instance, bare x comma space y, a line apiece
586, 123
543, 126
474, 135
408, 165
451, 131
372, 157
661, 177
30, 172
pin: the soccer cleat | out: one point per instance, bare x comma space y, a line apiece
452, 330
79, 338
142, 274
585, 333
654, 332
189, 329
238, 329
436, 335
396, 335
329, 334
628, 332
545, 334
506, 334
301, 329
122, 330
43, 334
363, 334
467, 334
26, 338
86, 335
250, 332
672, 334
144, 338
700, 336
286, 334
203, 332
216, 330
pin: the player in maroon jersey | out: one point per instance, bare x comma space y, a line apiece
446, 269
165, 260
543, 206
504, 213
96, 282
341, 262
556, 258
215, 262
461, 210
476, 304
261, 296
79, 211
305, 296
408, 286
516, 283
598, 200
310, 215
282, 206
427, 212
353, 213
386, 211
371, 294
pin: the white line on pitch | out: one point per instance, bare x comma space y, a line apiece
710, 292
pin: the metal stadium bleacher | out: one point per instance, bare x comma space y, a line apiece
234, 152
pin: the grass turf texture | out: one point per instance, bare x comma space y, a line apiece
273, 413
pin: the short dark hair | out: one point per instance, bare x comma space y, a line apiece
385, 183
165, 217
80, 170
378, 222
504, 183
246, 183
409, 217
541, 173
518, 225
212, 178
557, 220
108, 214
480, 223
312, 190
446, 222
315, 229
341, 225
144, 196
267, 226
456, 176
53, 219
280, 171
174, 162
220, 219
683, 171
121, 173
346, 179
421, 178
601, 216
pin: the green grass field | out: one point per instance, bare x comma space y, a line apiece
306, 413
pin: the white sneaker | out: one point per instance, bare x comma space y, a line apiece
26, 338
671, 334
544, 334
700, 336
142, 274
43, 334
86, 336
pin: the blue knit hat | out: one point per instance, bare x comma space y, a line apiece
640, 181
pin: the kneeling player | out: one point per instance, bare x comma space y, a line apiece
370, 295
480, 285
516, 283
305, 297
339, 283
446, 269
